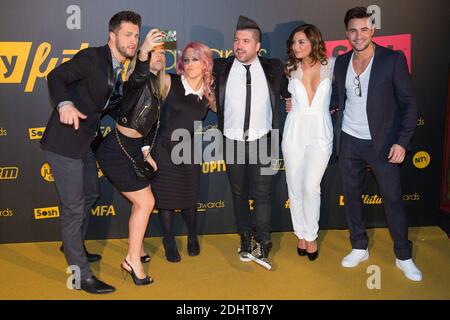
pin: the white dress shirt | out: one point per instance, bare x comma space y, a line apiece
235, 95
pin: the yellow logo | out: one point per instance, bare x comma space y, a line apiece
6, 213
46, 173
14, 57
46, 213
411, 197
203, 206
213, 166
420, 121
421, 159
287, 204
9, 173
36, 133
250, 204
277, 164
99, 171
376, 200
103, 211
366, 199
3, 132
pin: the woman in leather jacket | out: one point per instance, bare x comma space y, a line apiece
139, 112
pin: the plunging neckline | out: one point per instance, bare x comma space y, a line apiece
306, 92
310, 103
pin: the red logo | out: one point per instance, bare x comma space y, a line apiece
400, 42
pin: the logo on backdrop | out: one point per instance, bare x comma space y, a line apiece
421, 159
6, 213
214, 166
15, 55
420, 121
103, 211
204, 129
400, 42
9, 173
203, 206
277, 164
3, 132
46, 213
287, 204
375, 199
46, 173
36, 133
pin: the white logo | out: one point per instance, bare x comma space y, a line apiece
376, 15
74, 280
374, 281
74, 20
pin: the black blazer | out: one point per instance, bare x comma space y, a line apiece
87, 80
277, 83
391, 104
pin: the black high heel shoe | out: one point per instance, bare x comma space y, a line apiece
137, 281
146, 258
193, 246
313, 255
301, 252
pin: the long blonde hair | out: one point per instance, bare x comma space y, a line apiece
162, 89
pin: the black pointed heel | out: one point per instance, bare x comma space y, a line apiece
137, 281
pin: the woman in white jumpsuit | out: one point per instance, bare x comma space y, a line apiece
308, 133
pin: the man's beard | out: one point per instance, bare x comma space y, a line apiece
123, 51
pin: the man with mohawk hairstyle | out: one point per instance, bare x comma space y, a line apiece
248, 91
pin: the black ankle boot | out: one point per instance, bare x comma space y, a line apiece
171, 250
193, 246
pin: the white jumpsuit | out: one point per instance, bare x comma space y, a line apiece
307, 146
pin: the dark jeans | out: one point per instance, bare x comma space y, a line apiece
78, 188
247, 181
354, 155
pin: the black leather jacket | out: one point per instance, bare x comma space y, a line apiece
140, 106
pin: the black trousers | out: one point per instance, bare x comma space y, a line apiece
354, 155
250, 180
78, 188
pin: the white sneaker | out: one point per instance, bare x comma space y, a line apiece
243, 256
355, 257
409, 269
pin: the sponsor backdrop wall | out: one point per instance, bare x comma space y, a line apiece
36, 36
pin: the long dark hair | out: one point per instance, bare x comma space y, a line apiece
318, 49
